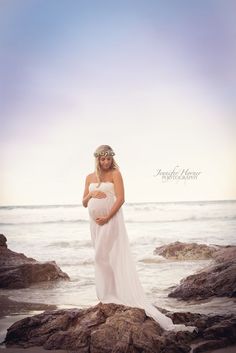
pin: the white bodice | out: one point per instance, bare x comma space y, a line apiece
105, 186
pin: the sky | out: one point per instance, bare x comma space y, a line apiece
155, 80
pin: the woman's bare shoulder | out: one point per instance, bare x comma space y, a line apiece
90, 177
116, 174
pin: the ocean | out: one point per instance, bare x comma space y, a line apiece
62, 233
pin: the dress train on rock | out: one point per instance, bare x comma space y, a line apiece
116, 276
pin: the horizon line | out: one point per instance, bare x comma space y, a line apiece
127, 203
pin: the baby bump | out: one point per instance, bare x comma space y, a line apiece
100, 207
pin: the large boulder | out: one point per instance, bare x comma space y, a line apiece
19, 271
187, 251
228, 253
112, 328
217, 279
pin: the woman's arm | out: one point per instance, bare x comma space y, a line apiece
120, 198
120, 193
87, 195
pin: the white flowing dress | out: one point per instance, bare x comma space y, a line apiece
116, 276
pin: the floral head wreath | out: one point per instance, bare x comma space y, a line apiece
104, 153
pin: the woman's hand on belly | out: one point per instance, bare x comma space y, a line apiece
99, 207
102, 220
98, 194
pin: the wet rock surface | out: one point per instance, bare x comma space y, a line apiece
187, 251
116, 328
20, 271
217, 279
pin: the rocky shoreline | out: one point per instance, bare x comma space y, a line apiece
118, 328
218, 279
20, 271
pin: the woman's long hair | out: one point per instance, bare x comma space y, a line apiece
101, 150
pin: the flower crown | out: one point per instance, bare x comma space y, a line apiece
104, 153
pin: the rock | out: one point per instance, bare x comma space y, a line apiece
215, 280
227, 253
221, 333
117, 328
187, 251
3, 240
207, 346
19, 271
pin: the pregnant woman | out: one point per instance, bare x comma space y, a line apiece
116, 276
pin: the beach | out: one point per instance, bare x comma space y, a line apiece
61, 233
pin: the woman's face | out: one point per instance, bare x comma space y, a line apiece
105, 162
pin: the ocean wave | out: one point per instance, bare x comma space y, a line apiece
77, 263
147, 206
34, 207
76, 244
77, 221
152, 260
45, 222
188, 219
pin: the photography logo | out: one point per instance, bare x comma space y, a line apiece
177, 174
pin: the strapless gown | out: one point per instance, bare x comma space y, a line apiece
116, 276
